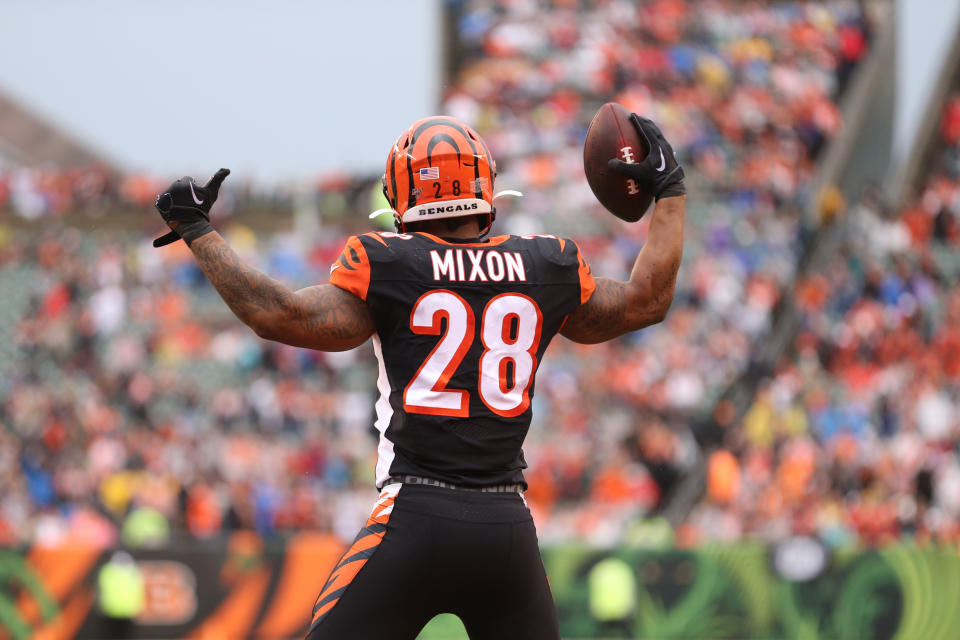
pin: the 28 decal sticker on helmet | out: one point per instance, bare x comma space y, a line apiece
453, 159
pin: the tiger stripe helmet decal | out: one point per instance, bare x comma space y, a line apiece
439, 168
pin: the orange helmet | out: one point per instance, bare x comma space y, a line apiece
439, 168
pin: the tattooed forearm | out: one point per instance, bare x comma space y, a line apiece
615, 307
322, 317
246, 291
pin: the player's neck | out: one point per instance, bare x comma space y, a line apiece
460, 234
468, 229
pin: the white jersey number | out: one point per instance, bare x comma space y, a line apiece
427, 392
510, 332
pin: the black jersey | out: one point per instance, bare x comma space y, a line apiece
460, 331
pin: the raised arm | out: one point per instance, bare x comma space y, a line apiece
323, 317
616, 307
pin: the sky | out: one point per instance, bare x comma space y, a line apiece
925, 30
273, 90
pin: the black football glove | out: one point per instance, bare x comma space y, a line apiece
659, 173
188, 204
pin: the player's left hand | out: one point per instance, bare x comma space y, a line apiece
185, 207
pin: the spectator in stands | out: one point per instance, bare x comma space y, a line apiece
103, 411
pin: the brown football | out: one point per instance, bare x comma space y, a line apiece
612, 135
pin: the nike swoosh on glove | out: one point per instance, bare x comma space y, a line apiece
659, 173
188, 204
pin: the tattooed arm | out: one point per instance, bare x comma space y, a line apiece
616, 307
322, 317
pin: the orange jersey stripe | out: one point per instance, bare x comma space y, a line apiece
376, 236
587, 283
351, 271
490, 242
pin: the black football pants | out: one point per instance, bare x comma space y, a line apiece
429, 550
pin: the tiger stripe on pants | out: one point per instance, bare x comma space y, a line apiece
357, 555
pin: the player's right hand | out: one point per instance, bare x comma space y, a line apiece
185, 207
659, 173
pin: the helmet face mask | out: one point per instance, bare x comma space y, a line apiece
439, 168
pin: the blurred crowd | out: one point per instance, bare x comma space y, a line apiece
98, 192
856, 436
747, 93
133, 395
135, 405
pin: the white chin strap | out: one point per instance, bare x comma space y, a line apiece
447, 208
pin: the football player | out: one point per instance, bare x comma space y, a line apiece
459, 323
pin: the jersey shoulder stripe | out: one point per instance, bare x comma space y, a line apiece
354, 268
565, 253
587, 283
351, 271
